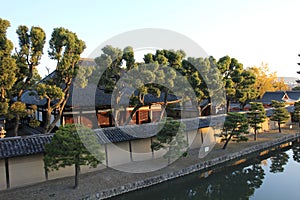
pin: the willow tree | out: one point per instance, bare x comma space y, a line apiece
7, 66
65, 49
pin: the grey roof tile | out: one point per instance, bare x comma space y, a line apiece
21, 146
29, 145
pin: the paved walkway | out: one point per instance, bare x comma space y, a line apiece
92, 183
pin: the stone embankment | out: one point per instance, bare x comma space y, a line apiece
193, 168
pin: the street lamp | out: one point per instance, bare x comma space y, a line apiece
2, 132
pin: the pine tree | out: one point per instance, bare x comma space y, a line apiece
235, 127
256, 116
280, 114
296, 113
72, 144
171, 137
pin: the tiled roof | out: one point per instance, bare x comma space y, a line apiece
29, 145
269, 96
294, 94
21, 146
92, 96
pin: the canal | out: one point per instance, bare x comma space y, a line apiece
271, 174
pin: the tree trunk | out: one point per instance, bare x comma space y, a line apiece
47, 122
135, 109
16, 128
163, 109
227, 141
53, 123
227, 105
255, 134
77, 172
279, 127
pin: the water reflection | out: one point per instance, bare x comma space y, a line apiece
296, 151
222, 182
279, 160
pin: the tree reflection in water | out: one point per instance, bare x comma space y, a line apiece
296, 151
222, 182
279, 160
237, 184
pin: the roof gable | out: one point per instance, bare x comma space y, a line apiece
277, 96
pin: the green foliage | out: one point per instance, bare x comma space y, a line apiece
72, 144
256, 116
18, 108
280, 114
296, 88
65, 49
296, 113
171, 137
235, 126
7, 63
66, 148
82, 75
28, 56
34, 123
238, 82
51, 92
3, 108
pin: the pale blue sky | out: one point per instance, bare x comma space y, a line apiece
252, 31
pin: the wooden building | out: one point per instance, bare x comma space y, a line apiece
92, 106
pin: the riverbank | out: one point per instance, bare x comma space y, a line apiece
110, 182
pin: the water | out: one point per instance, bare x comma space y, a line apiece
274, 175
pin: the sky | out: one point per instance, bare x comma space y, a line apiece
253, 31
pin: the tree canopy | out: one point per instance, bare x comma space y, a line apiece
65, 49
238, 81
235, 128
73, 144
280, 114
256, 116
171, 137
8, 67
266, 80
